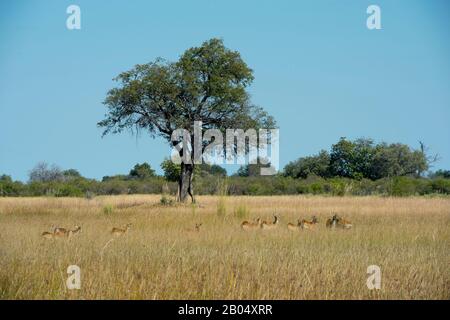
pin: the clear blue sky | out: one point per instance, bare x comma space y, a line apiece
317, 68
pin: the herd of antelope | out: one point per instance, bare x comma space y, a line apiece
302, 224
59, 233
64, 233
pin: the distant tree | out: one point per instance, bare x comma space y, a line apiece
252, 170
363, 159
5, 178
142, 171
8, 187
208, 84
397, 160
71, 173
342, 159
441, 174
318, 165
171, 170
214, 169
122, 177
42, 172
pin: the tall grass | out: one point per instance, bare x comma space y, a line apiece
409, 238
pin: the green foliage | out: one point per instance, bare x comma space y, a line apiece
71, 173
207, 169
314, 165
441, 185
253, 170
441, 174
207, 82
361, 159
142, 171
235, 185
171, 170
9, 188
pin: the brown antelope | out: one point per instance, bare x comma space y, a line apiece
247, 225
310, 225
118, 231
332, 222
344, 224
47, 235
270, 225
294, 227
73, 232
59, 232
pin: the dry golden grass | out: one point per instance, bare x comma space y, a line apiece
409, 238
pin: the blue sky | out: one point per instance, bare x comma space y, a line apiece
317, 69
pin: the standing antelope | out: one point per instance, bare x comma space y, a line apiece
294, 227
118, 231
246, 225
305, 224
270, 225
332, 222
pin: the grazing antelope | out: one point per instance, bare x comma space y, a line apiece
59, 232
246, 225
270, 225
294, 227
344, 224
310, 225
118, 231
332, 222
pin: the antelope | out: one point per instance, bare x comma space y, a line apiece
59, 232
73, 232
344, 224
294, 227
47, 235
332, 222
270, 225
305, 224
246, 225
118, 231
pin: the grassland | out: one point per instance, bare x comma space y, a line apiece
409, 238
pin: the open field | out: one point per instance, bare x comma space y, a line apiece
409, 238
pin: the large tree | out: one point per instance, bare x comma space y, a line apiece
208, 83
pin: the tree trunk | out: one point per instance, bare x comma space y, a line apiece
185, 187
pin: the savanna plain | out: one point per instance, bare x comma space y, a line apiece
163, 255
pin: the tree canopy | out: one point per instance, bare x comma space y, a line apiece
208, 83
361, 158
142, 171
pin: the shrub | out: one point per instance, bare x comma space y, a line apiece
166, 201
